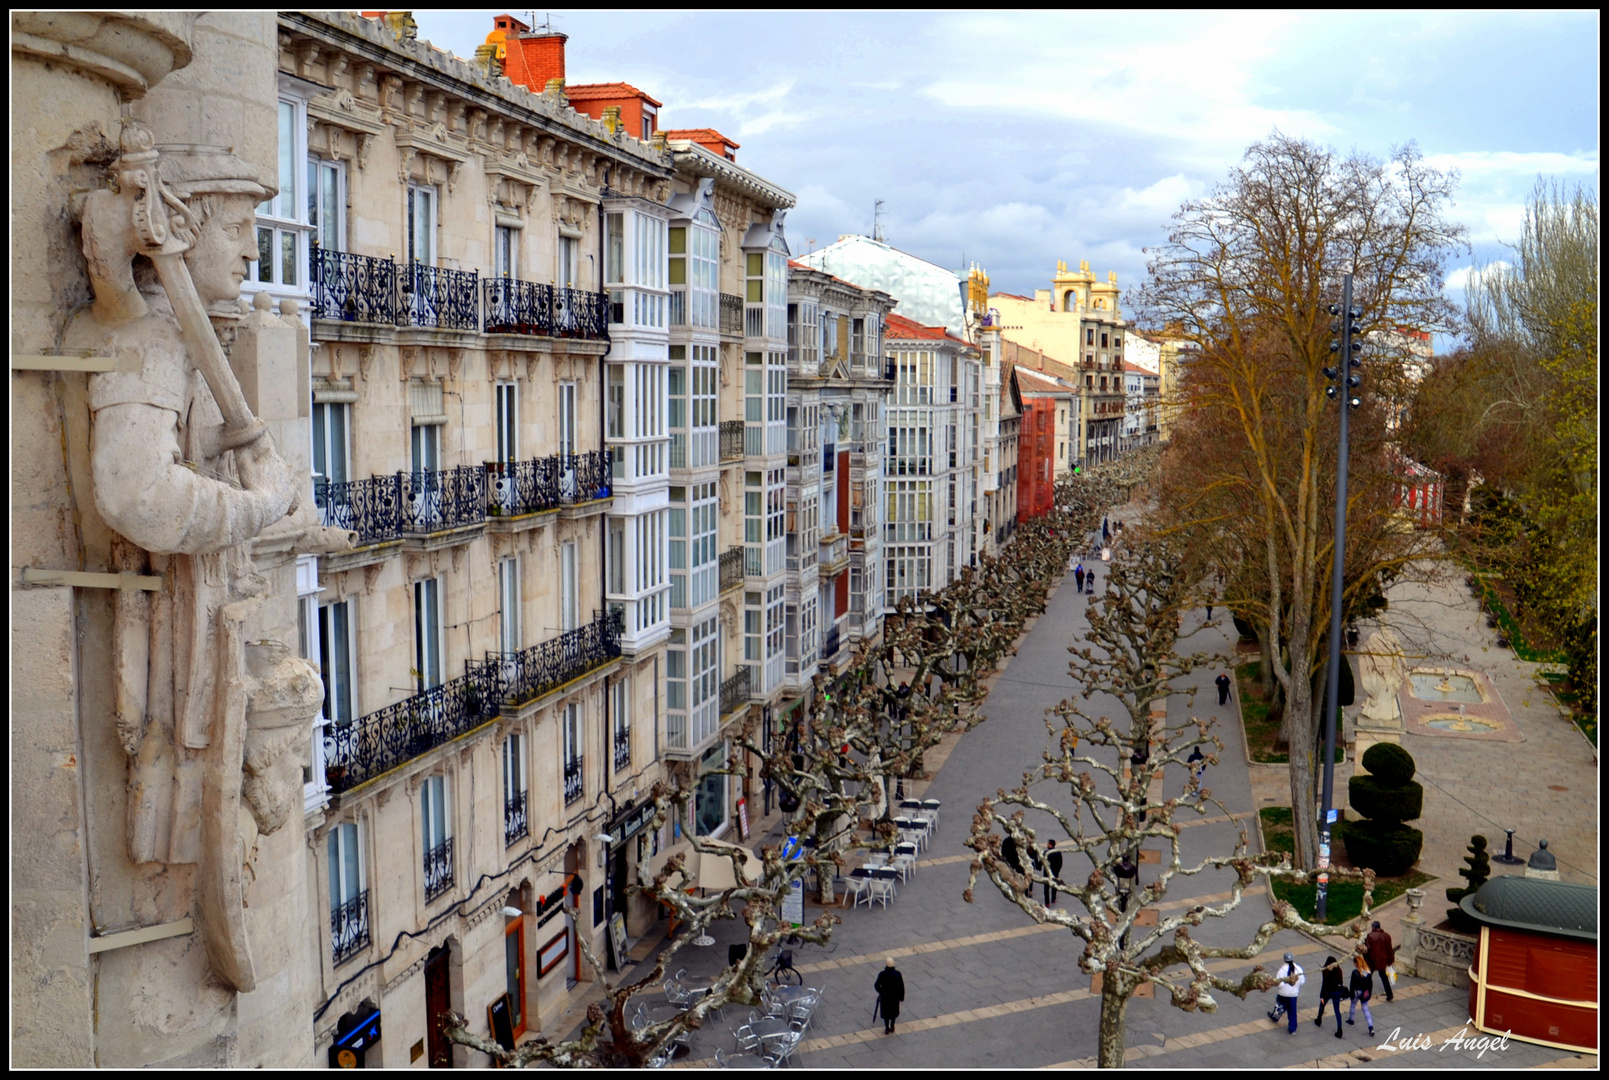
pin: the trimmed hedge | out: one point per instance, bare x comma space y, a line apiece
1385, 848
1385, 803
1390, 764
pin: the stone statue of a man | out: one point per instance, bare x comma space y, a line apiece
1381, 670
187, 477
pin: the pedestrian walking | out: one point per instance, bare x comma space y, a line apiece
1009, 852
1091, 577
1285, 996
1128, 876
1211, 596
1197, 763
1377, 947
1331, 992
1222, 683
1053, 861
1106, 532
1078, 576
890, 987
1362, 986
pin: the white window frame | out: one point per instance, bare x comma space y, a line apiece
508, 421
345, 859
435, 812
326, 191
284, 217
510, 605
332, 449
420, 217
428, 654
569, 587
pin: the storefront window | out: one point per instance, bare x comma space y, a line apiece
709, 802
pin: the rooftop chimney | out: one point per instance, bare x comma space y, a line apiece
532, 58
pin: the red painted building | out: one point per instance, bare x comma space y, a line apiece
1036, 461
1535, 973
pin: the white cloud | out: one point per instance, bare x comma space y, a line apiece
1487, 165
1458, 281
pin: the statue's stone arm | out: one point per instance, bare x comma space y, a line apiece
145, 492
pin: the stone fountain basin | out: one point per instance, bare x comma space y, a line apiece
1426, 685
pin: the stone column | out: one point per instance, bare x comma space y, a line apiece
1408, 947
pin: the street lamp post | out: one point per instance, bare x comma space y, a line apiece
1340, 374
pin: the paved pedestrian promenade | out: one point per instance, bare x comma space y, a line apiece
986, 987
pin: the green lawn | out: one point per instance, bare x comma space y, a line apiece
1345, 899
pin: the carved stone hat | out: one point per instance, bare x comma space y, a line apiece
211, 170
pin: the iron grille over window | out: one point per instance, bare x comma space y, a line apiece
439, 869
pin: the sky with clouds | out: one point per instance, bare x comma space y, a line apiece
1017, 139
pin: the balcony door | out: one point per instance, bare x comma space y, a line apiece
568, 588
426, 454
421, 227
567, 439
427, 633
508, 444
332, 464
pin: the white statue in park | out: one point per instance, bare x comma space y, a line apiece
1382, 669
187, 477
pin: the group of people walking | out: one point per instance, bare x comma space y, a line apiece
1336, 986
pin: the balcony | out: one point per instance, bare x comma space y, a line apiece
379, 742
434, 500
732, 440
372, 508
354, 288
735, 692
349, 928
516, 488
515, 679
731, 568
574, 785
362, 289
516, 819
526, 307
438, 869
441, 299
731, 314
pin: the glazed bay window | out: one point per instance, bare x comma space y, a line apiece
709, 800
614, 265
282, 228
349, 895
516, 811
694, 272
436, 833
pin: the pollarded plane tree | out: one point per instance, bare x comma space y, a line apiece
1248, 275
1109, 768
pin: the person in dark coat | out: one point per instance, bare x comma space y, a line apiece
1197, 763
1091, 576
1377, 948
1009, 852
1078, 576
890, 987
1332, 991
1053, 861
1223, 684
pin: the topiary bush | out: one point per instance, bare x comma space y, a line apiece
1385, 798
1477, 870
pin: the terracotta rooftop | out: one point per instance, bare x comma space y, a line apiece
595, 91
899, 328
700, 135
1044, 381
1137, 368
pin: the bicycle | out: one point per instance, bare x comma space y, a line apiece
782, 972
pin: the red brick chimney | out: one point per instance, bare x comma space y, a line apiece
533, 57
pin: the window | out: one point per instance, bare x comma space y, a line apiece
620, 707
331, 423
616, 404
436, 835
574, 786
568, 587
427, 633
349, 898
508, 592
505, 252
709, 801
569, 257
648, 118
1089, 336
326, 203
421, 225
516, 812
508, 421
567, 433
282, 230
426, 480
1103, 341
617, 556
337, 661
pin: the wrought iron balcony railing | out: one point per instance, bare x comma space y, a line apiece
731, 568
732, 440
731, 314
574, 784
517, 307
382, 740
622, 748
514, 488
580, 314
371, 507
437, 499
442, 299
516, 821
438, 869
349, 928
515, 678
354, 288
735, 692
